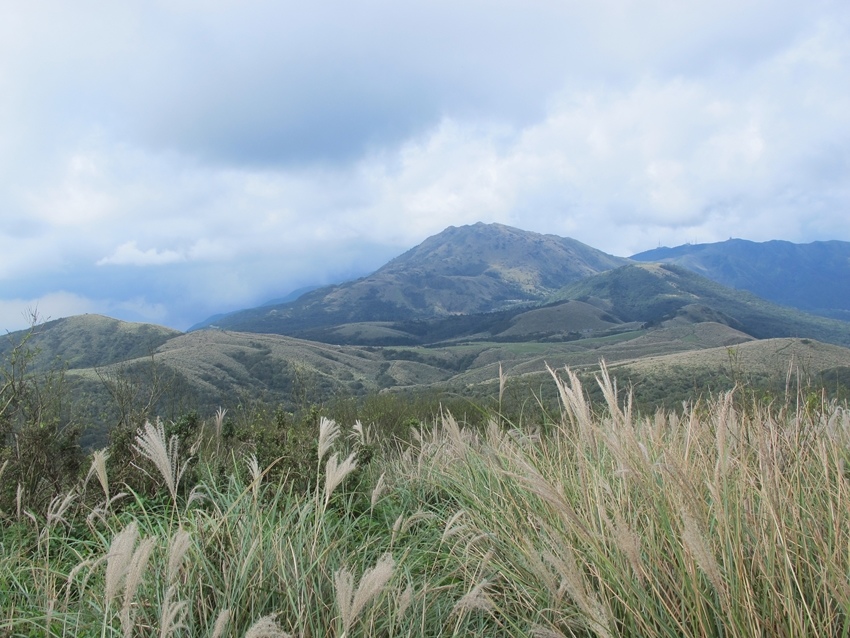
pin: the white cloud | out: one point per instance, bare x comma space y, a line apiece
251, 148
128, 254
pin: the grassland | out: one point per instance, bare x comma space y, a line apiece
729, 518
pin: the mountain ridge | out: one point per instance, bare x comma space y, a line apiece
655, 293
460, 271
814, 277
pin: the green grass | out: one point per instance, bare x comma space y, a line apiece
726, 519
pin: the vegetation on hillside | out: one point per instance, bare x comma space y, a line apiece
709, 498
727, 518
654, 293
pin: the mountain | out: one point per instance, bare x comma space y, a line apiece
813, 277
461, 271
446, 317
87, 341
217, 319
627, 316
660, 293
628, 298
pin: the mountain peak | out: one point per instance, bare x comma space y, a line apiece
536, 264
461, 270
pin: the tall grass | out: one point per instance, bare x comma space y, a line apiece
710, 523
721, 520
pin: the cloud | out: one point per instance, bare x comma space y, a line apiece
232, 152
128, 254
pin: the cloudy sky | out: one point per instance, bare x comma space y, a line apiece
165, 161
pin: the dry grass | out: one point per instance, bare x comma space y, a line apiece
350, 601
764, 356
152, 444
717, 521
712, 522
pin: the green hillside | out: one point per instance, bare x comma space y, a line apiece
653, 293
813, 277
85, 341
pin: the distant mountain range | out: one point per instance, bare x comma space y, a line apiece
453, 310
479, 279
659, 293
813, 277
485, 268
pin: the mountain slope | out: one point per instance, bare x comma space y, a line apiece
656, 293
813, 277
87, 341
461, 271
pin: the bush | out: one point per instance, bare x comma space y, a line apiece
40, 455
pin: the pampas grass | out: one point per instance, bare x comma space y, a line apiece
118, 560
98, 468
336, 471
221, 622
132, 580
350, 601
726, 519
266, 627
328, 433
151, 443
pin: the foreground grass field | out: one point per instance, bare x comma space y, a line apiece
721, 520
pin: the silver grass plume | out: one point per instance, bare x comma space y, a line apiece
57, 508
151, 443
98, 468
256, 474
328, 433
221, 623
698, 548
351, 602
177, 549
476, 599
503, 380
219, 421
361, 434
335, 473
266, 627
118, 560
133, 579
173, 613
378, 491
574, 582
403, 602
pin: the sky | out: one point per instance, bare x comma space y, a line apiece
166, 161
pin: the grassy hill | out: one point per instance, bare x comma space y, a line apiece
206, 369
85, 341
632, 313
769, 368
